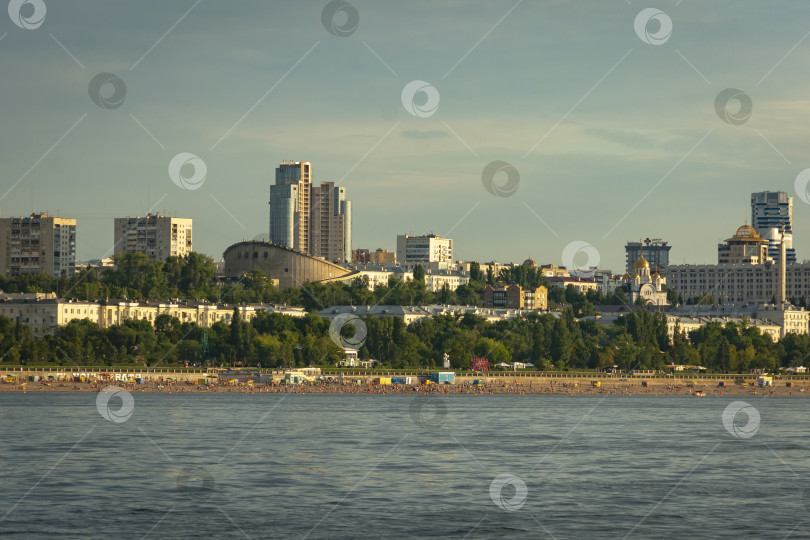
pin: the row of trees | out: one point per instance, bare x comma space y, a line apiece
192, 277
269, 340
638, 340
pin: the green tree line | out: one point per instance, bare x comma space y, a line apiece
637, 340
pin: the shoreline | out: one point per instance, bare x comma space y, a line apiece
544, 387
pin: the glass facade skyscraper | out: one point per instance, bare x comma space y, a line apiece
772, 218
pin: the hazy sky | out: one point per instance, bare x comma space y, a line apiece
614, 133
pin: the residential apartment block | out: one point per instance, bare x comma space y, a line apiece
435, 282
583, 285
313, 220
380, 256
290, 205
330, 223
158, 237
43, 313
426, 248
37, 244
515, 297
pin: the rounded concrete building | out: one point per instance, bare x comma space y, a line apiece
290, 267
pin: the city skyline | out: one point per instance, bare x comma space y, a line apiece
614, 135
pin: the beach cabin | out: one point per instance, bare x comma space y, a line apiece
443, 377
294, 377
765, 381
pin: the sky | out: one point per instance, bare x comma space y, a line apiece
602, 116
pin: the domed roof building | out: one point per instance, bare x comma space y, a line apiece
650, 287
745, 247
641, 263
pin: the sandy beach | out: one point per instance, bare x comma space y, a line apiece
536, 386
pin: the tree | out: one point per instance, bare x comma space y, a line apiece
419, 273
672, 297
235, 340
475, 272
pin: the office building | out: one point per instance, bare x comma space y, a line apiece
772, 218
156, 236
656, 252
741, 280
37, 244
426, 248
745, 247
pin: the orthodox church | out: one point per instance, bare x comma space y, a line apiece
651, 288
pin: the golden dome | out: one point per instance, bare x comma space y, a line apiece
746, 231
636, 275
656, 276
641, 263
747, 234
626, 276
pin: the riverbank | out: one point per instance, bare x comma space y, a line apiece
628, 387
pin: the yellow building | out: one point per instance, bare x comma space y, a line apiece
44, 315
37, 244
745, 247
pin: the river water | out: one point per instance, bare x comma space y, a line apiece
385, 466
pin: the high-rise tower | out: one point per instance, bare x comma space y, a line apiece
313, 220
772, 217
290, 205
330, 226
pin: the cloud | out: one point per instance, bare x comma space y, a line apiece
424, 134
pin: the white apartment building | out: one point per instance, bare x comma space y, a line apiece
426, 248
159, 237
